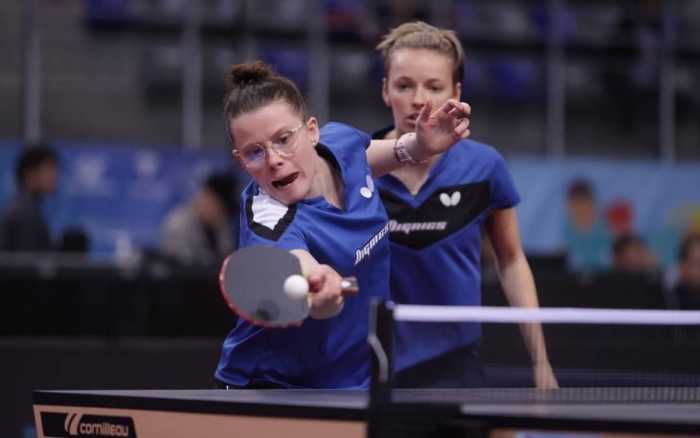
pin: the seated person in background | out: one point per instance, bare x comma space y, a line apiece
587, 240
619, 216
74, 240
631, 255
202, 231
23, 227
687, 291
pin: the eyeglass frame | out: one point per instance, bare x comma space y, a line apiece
273, 144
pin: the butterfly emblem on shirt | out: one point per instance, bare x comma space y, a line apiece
367, 190
446, 211
450, 200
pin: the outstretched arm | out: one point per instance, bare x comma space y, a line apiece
519, 286
436, 131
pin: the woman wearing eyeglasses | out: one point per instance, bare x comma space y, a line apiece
312, 193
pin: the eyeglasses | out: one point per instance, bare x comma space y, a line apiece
253, 156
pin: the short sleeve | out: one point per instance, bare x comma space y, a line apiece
504, 193
344, 136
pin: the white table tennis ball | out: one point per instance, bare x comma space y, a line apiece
296, 287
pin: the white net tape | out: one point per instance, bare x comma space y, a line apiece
424, 313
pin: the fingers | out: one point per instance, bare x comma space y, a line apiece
425, 112
455, 108
316, 282
544, 377
462, 131
326, 296
325, 280
459, 113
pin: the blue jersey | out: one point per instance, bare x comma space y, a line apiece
329, 353
436, 243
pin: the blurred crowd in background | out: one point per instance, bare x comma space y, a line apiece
123, 153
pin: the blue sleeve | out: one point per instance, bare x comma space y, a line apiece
342, 135
504, 194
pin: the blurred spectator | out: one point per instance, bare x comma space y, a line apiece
694, 220
586, 238
202, 230
392, 13
631, 254
687, 291
619, 215
351, 19
632, 87
74, 240
23, 227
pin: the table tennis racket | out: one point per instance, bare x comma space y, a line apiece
252, 284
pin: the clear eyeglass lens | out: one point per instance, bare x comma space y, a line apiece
253, 156
285, 144
287, 141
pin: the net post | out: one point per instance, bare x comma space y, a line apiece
381, 341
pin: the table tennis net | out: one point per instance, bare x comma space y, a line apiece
606, 355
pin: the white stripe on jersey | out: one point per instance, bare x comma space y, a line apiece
267, 211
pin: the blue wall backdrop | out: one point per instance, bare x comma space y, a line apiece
119, 195
664, 199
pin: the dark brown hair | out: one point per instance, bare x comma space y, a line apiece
252, 85
421, 35
580, 188
626, 240
31, 158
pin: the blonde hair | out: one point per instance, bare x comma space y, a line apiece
421, 35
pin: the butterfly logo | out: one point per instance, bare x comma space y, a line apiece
450, 200
369, 189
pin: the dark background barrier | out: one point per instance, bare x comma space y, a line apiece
152, 296
76, 323
145, 298
87, 362
148, 323
596, 355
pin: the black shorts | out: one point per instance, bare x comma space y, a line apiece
460, 368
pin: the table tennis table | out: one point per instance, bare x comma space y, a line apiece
349, 413
381, 411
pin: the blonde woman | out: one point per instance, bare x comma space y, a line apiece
437, 209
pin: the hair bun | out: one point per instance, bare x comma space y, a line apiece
248, 73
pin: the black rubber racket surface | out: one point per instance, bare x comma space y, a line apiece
252, 283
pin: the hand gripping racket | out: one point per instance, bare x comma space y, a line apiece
252, 284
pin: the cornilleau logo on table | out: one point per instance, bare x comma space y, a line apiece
70, 424
366, 249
